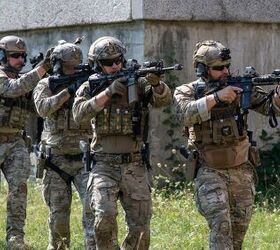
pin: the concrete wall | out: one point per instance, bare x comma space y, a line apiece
155, 29
36, 14
251, 45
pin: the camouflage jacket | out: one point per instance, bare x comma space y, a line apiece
13, 87
191, 111
85, 108
15, 107
60, 130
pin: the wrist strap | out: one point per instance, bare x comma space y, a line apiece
216, 97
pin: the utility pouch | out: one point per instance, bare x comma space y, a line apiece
223, 157
254, 156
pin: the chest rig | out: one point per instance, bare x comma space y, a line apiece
62, 120
222, 140
14, 112
120, 118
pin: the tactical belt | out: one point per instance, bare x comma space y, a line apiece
6, 137
77, 157
118, 158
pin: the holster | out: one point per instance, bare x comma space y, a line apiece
192, 166
44, 158
39, 161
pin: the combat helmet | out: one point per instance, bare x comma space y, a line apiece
67, 53
11, 44
104, 48
211, 53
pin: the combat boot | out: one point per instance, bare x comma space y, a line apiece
17, 243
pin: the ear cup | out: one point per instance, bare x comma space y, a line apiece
57, 66
3, 57
201, 70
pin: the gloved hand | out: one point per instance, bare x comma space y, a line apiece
73, 88
117, 87
46, 63
153, 79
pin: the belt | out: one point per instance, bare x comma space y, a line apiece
6, 137
77, 157
118, 158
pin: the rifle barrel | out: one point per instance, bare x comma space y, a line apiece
266, 80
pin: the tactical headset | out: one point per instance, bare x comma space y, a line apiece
201, 69
3, 56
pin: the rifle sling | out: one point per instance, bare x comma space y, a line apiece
66, 177
272, 118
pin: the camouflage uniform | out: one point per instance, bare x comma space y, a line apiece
62, 135
14, 156
225, 181
118, 172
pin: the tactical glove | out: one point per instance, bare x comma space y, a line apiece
117, 87
73, 88
153, 79
46, 63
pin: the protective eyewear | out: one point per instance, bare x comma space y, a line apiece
110, 62
17, 55
220, 67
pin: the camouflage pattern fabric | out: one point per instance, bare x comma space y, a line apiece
58, 197
85, 109
16, 167
225, 198
110, 180
17, 87
64, 143
15, 161
129, 183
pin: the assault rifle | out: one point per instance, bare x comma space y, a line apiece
132, 72
82, 75
246, 82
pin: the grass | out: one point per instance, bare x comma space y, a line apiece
175, 224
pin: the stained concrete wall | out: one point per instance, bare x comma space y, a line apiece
36, 14
155, 29
251, 44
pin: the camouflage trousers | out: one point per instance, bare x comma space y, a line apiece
128, 182
225, 198
16, 167
58, 197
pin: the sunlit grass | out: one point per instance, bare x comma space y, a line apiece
176, 224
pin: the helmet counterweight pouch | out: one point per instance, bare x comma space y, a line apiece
3, 57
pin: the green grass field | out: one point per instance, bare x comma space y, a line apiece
175, 224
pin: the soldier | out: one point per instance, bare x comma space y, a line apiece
117, 142
60, 138
217, 128
15, 108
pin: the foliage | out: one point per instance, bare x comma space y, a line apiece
269, 171
172, 176
175, 224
